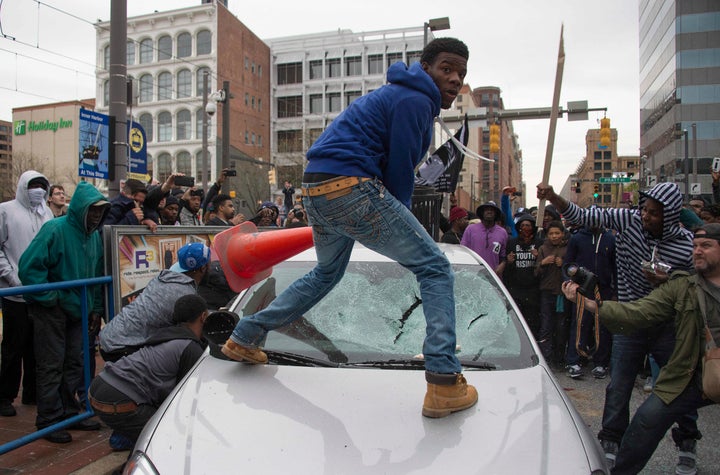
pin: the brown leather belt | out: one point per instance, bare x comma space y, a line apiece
122, 408
334, 188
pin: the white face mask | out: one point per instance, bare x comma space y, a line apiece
37, 196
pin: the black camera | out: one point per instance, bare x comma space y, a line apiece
298, 214
185, 181
230, 172
586, 280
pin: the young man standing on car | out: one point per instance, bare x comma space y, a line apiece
358, 187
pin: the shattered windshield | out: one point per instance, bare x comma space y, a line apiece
375, 315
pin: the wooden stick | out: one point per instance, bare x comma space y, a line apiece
553, 126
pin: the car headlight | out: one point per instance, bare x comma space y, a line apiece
139, 464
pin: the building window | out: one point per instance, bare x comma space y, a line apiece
607, 166
333, 102
106, 58
199, 80
313, 135
204, 42
184, 45
259, 104
199, 161
290, 106
375, 64
597, 156
146, 121
247, 99
164, 127
164, 48
351, 96
252, 102
146, 88
146, 51
130, 53
106, 93
184, 83
597, 165
316, 103
413, 56
184, 164
289, 141
353, 66
289, 73
607, 155
316, 69
252, 139
164, 86
259, 70
252, 68
332, 68
164, 167
184, 125
393, 58
199, 115
247, 138
259, 142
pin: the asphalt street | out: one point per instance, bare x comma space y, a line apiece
588, 395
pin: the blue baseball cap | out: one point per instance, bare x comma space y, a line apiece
191, 257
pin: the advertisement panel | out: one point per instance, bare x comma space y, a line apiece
94, 144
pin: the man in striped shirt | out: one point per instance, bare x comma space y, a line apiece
651, 233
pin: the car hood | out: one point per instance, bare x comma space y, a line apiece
229, 417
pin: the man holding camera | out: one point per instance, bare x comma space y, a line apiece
647, 236
690, 302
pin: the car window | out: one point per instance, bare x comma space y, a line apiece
375, 313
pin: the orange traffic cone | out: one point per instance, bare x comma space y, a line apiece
247, 256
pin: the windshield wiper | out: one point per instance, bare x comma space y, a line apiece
294, 359
478, 364
390, 364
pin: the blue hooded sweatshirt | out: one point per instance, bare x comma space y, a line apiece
383, 134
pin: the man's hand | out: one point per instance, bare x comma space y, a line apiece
545, 192
715, 177
655, 278
152, 225
138, 212
94, 320
569, 289
510, 257
548, 260
238, 218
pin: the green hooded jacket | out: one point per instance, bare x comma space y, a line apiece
676, 300
65, 249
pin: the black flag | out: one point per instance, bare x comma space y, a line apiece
443, 167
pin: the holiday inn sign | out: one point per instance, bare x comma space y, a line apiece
20, 127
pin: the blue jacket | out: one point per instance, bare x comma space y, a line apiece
383, 134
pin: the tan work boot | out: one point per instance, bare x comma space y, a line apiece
242, 353
447, 393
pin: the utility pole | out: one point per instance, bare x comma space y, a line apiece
205, 171
118, 166
687, 169
226, 133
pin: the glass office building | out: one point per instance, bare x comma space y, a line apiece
680, 90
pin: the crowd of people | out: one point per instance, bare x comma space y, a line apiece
631, 252
359, 179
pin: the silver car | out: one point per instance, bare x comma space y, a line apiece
344, 386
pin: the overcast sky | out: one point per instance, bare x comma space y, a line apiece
513, 45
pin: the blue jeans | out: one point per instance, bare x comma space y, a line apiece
650, 423
628, 355
370, 215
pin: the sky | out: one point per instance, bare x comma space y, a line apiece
513, 45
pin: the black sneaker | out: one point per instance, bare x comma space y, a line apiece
59, 437
600, 372
687, 463
611, 449
574, 371
7, 409
85, 425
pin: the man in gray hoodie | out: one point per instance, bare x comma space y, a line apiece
131, 329
20, 220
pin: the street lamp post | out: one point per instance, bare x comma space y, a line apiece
434, 24
687, 169
205, 173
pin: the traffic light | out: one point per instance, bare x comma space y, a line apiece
271, 176
604, 132
494, 138
596, 191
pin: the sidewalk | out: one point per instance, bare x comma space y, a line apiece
88, 454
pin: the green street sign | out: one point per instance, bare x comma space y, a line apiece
619, 179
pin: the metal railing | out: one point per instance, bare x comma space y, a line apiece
31, 289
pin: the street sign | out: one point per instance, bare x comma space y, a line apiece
651, 180
695, 188
615, 179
